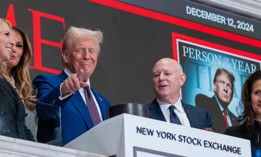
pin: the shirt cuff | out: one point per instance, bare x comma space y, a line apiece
64, 97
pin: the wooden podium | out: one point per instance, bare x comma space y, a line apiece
132, 136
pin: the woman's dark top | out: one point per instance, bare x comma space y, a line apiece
252, 133
12, 113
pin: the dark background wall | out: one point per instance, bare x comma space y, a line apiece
133, 42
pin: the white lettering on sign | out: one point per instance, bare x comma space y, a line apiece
220, 19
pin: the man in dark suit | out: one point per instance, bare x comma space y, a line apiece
69, 89
168, 78
218, 104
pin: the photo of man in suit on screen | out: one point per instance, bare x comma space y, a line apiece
217, 105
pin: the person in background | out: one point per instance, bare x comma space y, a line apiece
16, 72
250, 118
168, 78
12, 115
217, 105
81, 106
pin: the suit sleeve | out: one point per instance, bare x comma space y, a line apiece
48, 112
48, 89
48, 92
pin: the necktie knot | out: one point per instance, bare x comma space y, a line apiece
172, 107
87, 92
173, 116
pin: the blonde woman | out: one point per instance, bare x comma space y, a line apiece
16, 72
5, 40
12, 112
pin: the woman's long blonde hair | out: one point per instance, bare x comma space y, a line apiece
20, 72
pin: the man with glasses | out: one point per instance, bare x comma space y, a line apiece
218, 104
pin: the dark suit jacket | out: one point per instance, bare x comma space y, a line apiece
12, 113
198, 118
75, 116
211, 105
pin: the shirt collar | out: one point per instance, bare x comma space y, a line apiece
165, 106
220, 106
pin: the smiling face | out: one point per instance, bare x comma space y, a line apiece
168, 79
5, 42
83, 55
256, 98
17, 50
223, 88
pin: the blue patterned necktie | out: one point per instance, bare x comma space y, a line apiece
173, 116
92, 106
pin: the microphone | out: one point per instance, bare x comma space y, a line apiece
49, 122
37, 102
46, 110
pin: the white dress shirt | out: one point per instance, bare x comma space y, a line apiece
180, 112
81, 90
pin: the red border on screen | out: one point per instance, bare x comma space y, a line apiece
176, 36
178, 21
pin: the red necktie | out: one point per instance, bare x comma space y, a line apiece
92, 106
225, 117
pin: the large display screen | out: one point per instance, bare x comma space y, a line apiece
136, 34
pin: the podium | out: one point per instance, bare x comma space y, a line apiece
133, 136
13, 147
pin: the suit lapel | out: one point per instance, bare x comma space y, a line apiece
8, 87
78, 103
17, 102
100, 102
233, 118
62, 76
81, 107
190, 114
155, 111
